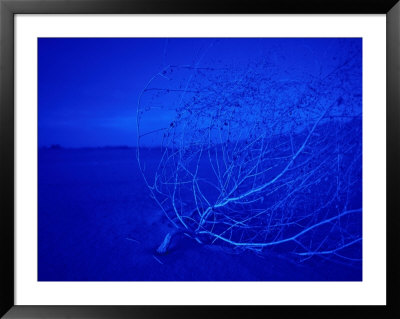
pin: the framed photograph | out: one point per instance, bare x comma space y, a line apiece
171, 159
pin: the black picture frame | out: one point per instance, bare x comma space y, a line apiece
8, 8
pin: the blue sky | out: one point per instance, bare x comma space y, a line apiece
89, 88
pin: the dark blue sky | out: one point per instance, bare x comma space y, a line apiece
88, 88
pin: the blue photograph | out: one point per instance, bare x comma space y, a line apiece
199, 159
